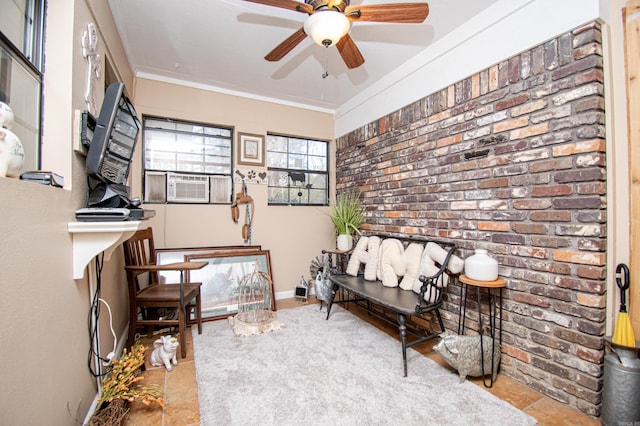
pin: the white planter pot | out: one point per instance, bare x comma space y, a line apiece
344, 242
480, 266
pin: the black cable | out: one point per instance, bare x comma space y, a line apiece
94, 313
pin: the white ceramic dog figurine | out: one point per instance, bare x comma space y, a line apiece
165, 352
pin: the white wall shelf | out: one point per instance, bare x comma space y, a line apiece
92, 238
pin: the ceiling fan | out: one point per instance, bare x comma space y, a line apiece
329, 23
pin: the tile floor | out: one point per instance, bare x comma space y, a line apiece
181, 395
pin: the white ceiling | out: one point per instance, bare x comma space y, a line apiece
221, 44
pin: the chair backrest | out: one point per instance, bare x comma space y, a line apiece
139, 250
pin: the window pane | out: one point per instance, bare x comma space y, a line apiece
297, 171
318, 163
318, 148
317, 196
189, 143
278, 179
318, 181
20, 89
277, 160
159, 124
298, 146
297, 161
216, 131
190, 128
277, 143
161, 161
278, 195
195, 151
21, 21
298, 196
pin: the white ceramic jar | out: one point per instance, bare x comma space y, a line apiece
480, 266
344, 242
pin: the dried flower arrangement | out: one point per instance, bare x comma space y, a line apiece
119, 387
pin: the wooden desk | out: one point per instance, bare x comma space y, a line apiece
492, 287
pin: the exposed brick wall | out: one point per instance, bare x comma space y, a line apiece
511, 159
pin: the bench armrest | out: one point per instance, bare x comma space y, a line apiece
431, 290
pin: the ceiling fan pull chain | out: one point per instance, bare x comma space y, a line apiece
325, 61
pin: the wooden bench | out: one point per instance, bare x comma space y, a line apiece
404, 303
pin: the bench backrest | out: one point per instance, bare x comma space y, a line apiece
414, 264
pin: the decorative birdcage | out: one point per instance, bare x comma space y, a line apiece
254, 305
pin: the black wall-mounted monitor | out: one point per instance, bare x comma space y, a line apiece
114, 138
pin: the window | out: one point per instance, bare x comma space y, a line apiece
21, 45
298, 170
186, 162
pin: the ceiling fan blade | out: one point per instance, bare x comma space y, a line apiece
286, 46
286, 4
349, 52
409, 13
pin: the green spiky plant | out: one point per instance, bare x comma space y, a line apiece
347, 213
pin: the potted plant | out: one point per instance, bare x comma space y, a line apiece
347, 216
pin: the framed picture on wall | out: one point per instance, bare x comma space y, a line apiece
250, 149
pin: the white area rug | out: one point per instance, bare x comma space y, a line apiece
343, 371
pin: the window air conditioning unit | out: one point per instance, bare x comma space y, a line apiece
187, 188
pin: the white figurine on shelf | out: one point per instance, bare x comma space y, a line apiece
6, 116
165, 351
11, 150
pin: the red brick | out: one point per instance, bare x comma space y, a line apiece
552, 191
531, 204
518, 99
516, 353
511, 124
550, 216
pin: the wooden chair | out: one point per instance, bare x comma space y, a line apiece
147, 299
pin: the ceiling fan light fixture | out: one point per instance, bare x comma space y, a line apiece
327, 27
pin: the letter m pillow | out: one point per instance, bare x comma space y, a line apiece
396, 262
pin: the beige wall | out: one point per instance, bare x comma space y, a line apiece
44, 364
293, 235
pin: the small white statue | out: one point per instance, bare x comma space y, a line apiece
11, 150
165, 351
6, 116
11, 154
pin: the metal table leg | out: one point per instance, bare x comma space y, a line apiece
494, 300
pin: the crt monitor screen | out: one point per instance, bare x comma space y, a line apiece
114, 138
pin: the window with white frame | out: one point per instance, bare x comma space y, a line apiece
298, 170
186, 162
21, 66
